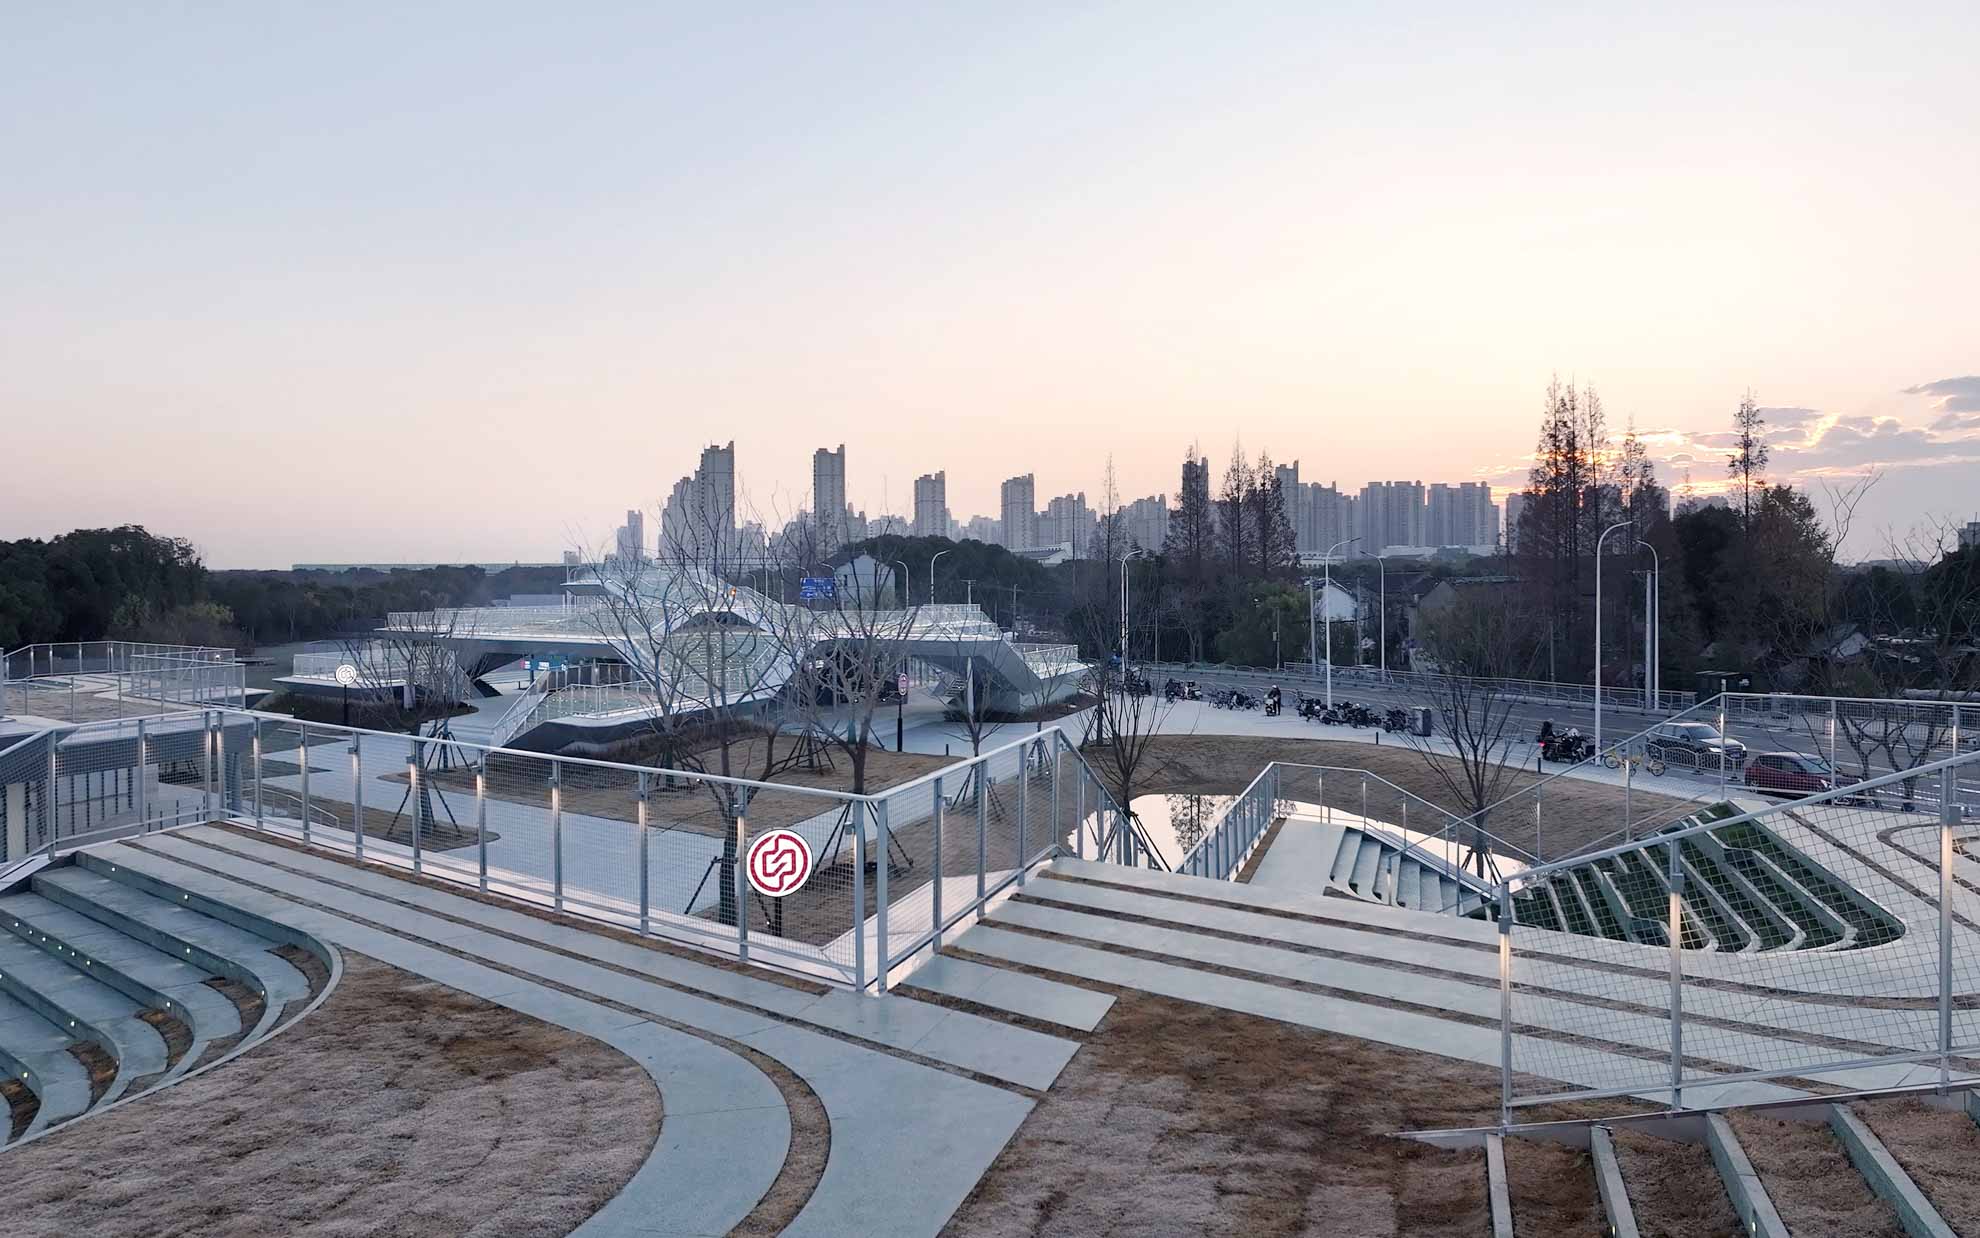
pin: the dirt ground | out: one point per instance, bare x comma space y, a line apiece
1176, 1119
1674, 1189
1808, 1176
400, 1107
1573, 811
1938, 1148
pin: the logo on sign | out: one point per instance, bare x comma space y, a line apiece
778, 863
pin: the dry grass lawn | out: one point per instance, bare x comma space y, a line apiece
1573, 811
1182, 1120
400, 1107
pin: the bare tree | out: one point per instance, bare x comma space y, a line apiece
1478, 642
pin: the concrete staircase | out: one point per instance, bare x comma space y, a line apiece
1370, 860
111, 985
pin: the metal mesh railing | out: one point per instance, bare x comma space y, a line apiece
1829, 938
87, 681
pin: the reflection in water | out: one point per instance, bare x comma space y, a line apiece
1176, 823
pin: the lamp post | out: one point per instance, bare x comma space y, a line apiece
1653, 605
903, 599
1124, 610
1327, 575
1598, 629
1382, 632
931, 575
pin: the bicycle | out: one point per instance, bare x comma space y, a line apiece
1653, 766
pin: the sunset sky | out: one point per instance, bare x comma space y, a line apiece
313, 283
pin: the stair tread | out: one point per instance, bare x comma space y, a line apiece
212, 1016
281, 981
1362, 879
137, 1046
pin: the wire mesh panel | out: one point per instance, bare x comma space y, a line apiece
1832, 938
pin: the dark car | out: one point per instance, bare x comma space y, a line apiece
1789, 773
1695, 744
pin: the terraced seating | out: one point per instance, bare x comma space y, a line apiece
108, 988
1744, 889
1368, 860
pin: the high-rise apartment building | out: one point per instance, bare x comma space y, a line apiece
1391, 515
1067, 521
1460, 515
630, 544
699, 518
1019, 503
931, 505
1292, 496
828, 496
1147, 521
1326, 516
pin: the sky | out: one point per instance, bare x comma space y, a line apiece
345, 283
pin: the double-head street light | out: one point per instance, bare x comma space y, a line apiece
1327, 577
1625, 524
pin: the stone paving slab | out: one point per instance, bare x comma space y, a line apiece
1015, 1054
1031, 996
1301, 857
909, 1142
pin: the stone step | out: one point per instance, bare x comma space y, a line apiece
1886, 1177
35, 1052
117, 899
1345, 856
84, 1007
145, 974
1749, 1197
1362, 879
1609, 1183
1408, 885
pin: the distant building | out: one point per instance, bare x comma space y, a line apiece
982, 528
1515, 508
700, 514
1020, 513
931, 505
1067, 521
1969, 535
630, 543
1147, 521
828, 496
1460, 515
1391, 515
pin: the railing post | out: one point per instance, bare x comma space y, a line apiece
412, 781
256, 752
1079, 808
205, 758
1676, 932
1364, 799
1722, 745
645, 878
481, 824
740, 876
1948, 814
982, 774
302, 754
557, 834
1058, 838
860, 808
1024, 807
1326, 813
1505, 1005
53, 800
935, 882
357, 795
144, 782
1832, 737
883, 953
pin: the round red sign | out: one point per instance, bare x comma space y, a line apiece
779, 863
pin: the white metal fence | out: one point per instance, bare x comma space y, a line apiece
652, 850
1830, 938
81, 681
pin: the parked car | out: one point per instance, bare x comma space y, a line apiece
1789, 773
1696, 745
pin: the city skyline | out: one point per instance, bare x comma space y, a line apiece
475, 300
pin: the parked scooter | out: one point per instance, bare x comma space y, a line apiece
1272, 701
1395, 720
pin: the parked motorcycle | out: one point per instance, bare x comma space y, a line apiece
1395, 720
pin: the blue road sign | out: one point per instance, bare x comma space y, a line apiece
812, 588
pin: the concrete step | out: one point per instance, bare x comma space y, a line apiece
1344, 858
84, 1007
1367, 860
35, 1051
1887, 1179
145, 974
1408, 883
1609, 1184
1749, 1197
116, 897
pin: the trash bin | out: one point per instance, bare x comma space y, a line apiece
1419, 720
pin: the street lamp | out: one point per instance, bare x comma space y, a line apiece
903, 599
1382, 633
1653, 606
931, 575
1625, 524
1124, 609
1327, 575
